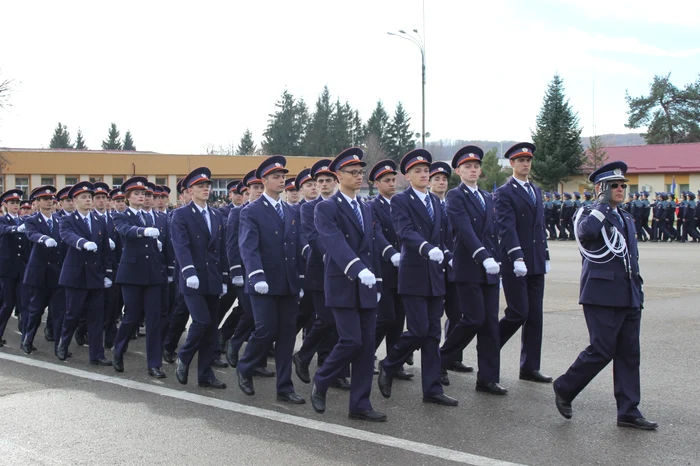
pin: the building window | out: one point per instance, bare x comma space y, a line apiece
218, 188
2, 183
22, 182
117, 182
161, 181
679, 188
71, 180
633, 188
47, 180
95, 179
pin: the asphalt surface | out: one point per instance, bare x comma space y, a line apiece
74, 413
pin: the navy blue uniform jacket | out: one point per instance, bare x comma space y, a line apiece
315, 248
382, 215
84, 269
140, 262
14, 248
44, 266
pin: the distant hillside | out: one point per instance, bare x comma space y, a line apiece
444, 149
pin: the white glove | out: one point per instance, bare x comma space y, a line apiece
111, 244
160, 246
491, 266
224, 287
450, 262
151, 232
237, 280
21, 228
90, 246
520, 268
193, 282
367, 278
50, 243
301, 293
262, 287
170, 279
547, 267
108, 282
436, 255
396, 259
379, 297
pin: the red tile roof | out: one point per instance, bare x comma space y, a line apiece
658, 158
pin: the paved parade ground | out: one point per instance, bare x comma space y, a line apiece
56, 413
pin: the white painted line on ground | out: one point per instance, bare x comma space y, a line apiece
325, 427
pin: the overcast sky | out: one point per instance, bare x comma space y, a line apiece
181, 75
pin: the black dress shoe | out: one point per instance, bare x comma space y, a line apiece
62, 352
291, 397
26, 347
459, 366
369, 415
182, 372
637, 423
231, 355
3, 343
318, 400
444, 379
271, 353
69, 354
441, 399
109, 344
409, 360
212, 383
563, 406
118, 363
263, 372
535, 376
156, 372
401, 374
219, 363
48, 333
245, 384
168, 357
301, 369
490, 387
384, 381
80, 339
101, 362
341, 384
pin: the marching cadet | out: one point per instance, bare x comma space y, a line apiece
14, 254
306, 186
555, 224
118, 199
475, 271
291, 191
566, 219
525, 259
162, 200
587, 198
86, 272
671, 215
391, 316
323, 330
548, 210
577, 200
346, 226
689, 220
25, 208
270, 246
417, 218
65, 201
44, 268
233, 197
141, 274
246, 323
612, 306
198, 241
636, 209
440, 173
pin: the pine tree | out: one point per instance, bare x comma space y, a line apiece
112, 142
557, 136
492, 172
79, 141
358, 131
128, 141
318, 140
341, 127
377, 125
247, 145
61, 138
400, 136
286, 128
596, 154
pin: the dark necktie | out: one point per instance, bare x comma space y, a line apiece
87, 224
481, 200
429, 207
49, 222
142, 217
279, 210
358, 214
443, 207
531, 192
16, 220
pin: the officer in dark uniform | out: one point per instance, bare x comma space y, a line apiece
25, 208
100, 207
291, 193
142, 273
66, 202
636, 209
577, 200
118, 199
44, 268
646, 211
548, 220
418, 220
525, 260
475, 271
323, 329
556, 214
270, 246
587, 198
306, 185
14, 254
566, 218
612, 299
233, 197
671, 215
689, 220
199, 245
346, 227
86, 272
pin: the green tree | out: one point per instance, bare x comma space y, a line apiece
341, 127
286, 128
358, 130
671, 115
399, 135
80, 141
492, 172
247, 145
596, 154
61, 138
318, 140
557, 136
128, 141
377, 124
112, 142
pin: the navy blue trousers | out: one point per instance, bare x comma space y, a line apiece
201, 337
87, 305
391, 319
323, 331
423, 315
140, 300
246, 323
524, 297
355, 347
177, 321
479, 319
614, 336
453, 312
13, 294
39, 299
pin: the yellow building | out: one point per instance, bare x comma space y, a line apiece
28, 168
